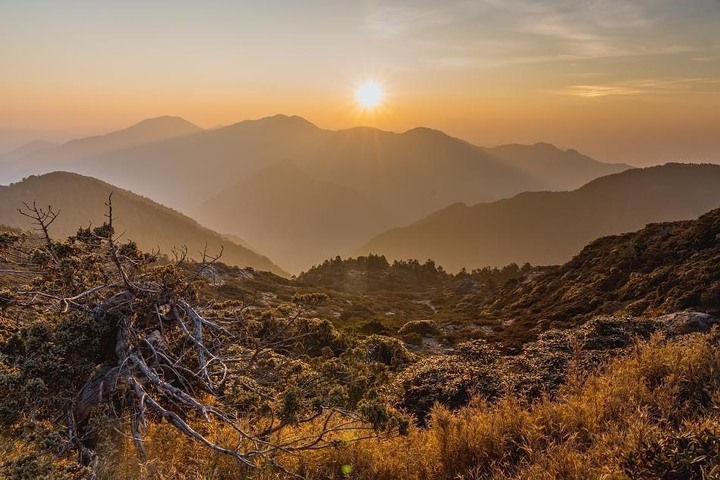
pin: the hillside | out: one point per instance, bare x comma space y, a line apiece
550, 227
661, 269
665, 267
297, 219
81, 201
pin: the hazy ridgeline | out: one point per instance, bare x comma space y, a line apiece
299, 193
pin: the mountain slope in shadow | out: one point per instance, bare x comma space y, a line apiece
549, 227
297, 219
663, 268
81, 202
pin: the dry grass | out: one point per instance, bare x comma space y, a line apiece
589, 431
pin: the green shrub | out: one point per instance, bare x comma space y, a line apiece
387, 350
450, 380
421, 327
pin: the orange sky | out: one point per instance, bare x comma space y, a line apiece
637, 81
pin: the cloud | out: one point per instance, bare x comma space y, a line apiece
706, 58
662, 86
393, 21
510, 32
593, 91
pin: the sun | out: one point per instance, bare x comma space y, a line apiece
369, 95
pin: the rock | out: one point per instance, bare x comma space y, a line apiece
245, 274
682, 323
212, 275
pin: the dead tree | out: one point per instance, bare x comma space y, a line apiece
169, 359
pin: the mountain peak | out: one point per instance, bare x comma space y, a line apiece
363, 130
146, 131
157, 128
283, 119
546, 145
277, 121
544, 148
426, 131
165, 121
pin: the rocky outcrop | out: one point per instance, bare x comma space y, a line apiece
682, 323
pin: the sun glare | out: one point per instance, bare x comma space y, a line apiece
369, 95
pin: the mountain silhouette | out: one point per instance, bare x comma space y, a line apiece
31, 147
147, 131
365, 177
556, 169
29, 160
202, 163
549, 227
81, 202
418, 171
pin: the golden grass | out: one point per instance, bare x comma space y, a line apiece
584, 433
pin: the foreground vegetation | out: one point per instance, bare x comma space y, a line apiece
119, 364
652, 414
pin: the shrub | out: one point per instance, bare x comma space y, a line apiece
387, 350
450, 380
421, 327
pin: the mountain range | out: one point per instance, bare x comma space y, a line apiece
316, 193
81, 200
549, 227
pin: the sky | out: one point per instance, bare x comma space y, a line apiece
624, 81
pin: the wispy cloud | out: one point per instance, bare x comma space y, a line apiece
706, 58
393, 21
644, 87
593, 91
555, 30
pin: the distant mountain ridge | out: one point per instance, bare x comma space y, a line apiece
33, 146
81, 202
557, 169
549, 227
398, 176
144, 132
30, 159
431, 168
